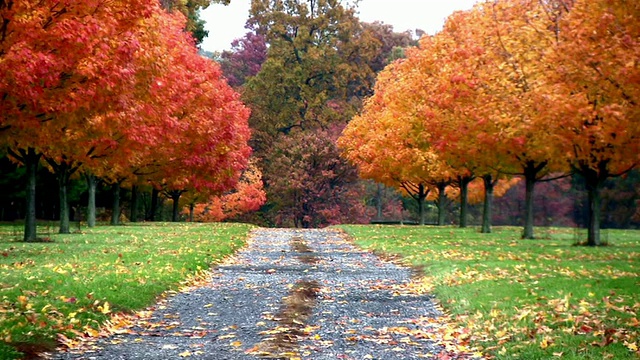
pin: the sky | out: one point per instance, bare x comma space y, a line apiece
226, 23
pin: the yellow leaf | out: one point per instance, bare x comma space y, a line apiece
185, 354
236, 343
545, 343
105, 309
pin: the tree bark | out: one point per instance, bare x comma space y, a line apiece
421, 196
593, 237
531, 174
115, 208
379, 201
192, 207
464, 181
488, 203
62, 171
594, 182
530, 184
30, 160
442, 201
175, 196
155, 194
134, 203
92, 184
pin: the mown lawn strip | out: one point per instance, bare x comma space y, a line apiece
526, 298
73, 284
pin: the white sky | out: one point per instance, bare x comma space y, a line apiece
226, 23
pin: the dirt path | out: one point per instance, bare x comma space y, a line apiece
289, 294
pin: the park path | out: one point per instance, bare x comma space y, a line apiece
358, 312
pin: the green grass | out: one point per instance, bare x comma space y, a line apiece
527, 299
63, 286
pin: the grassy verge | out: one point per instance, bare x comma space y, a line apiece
527, 299
70, 285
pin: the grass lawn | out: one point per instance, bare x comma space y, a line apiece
526, 299
71, 284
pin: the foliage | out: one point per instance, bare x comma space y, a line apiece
191, 10
122, 95
310, 184
312, 61
245, 58
596, 78
319, 66
508, 76
248, 196
520, 298
70, 286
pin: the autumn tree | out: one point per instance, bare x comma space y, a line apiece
315, 75
247, 196
307, 66
204, 145
390, 42
483, 98
56, 64
387, 146
319, 188
245, 58
593, 107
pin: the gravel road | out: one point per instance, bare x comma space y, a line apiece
357, 313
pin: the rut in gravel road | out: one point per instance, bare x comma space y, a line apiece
289, 294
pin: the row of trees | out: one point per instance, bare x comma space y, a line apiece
510, 88
117, 91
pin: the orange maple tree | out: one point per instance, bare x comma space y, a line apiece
247, 196
58, 61
593, 106
120, 90
387, 146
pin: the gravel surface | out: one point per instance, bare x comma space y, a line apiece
359, 314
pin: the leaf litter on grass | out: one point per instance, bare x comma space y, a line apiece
526, 298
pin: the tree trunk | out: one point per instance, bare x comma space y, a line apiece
530, 183
531, 174
155, 194
175, 196
464, 199
63, 184
442, 202
30, 160
593, 237
134, 203
91, 206
379, 202
192, 207
488, 203
115, 213
594, 182
421, 196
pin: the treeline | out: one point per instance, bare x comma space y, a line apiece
114, 94
530, 90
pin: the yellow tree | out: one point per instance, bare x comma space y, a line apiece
382, 142
489, 77
593, 105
